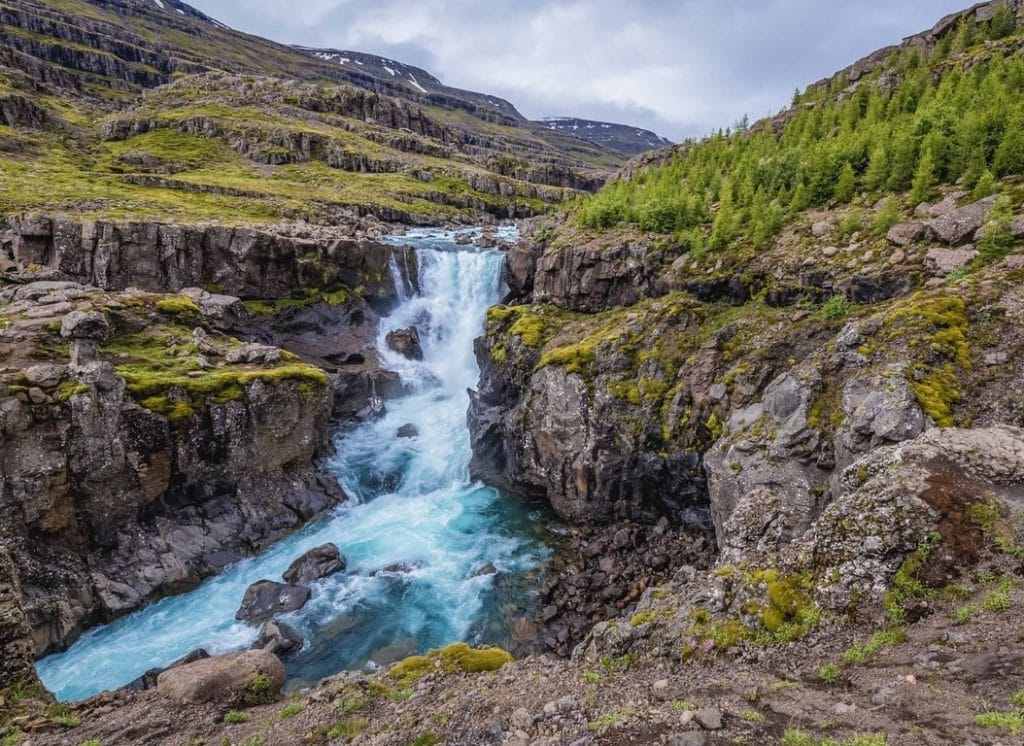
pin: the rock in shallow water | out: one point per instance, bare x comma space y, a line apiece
266, 599
406, 342
315, 564
278, 638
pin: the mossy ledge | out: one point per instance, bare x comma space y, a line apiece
452, 658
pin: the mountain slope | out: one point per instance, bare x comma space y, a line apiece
80, 82
621, 138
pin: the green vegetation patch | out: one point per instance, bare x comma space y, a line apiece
935, 329
162, 369
456, 657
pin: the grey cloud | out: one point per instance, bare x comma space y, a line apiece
680, 68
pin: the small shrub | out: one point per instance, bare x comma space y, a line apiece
605, 722
234, 717
290, 711
752, 716
829, 673
259, 691
835, 308
349, 728
591, 677
999, 599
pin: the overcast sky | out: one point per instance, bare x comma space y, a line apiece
680, 68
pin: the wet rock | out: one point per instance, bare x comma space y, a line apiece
278, 638
405, 342
408, 431
374, 410
224, 679
266, 599
315, 564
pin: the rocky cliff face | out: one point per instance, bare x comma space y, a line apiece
140, 453
244, 262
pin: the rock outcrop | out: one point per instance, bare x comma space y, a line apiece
126, 480
265, 599
243, 262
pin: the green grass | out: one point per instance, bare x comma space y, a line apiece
289, 711
794, 737
867, 650
606, 722
234, 717
1010, 722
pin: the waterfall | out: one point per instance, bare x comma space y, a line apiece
423, 542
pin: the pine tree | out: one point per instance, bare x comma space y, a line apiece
888, 216
985, 187
976, 166
846, 186
1003, 23
902, 164
1009, 158
924, 179
965, 35
878, 169
722, 228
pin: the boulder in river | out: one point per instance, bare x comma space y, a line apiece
406, 342
315, 564
278, 638
408, 431
265, 599
248, 678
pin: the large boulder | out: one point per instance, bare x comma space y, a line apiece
222, 311
265, 599
406, 342
958, 227
315, 564
250, 677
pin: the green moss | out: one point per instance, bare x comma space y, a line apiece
936, 329
69, 389
643, 617
456, 657
178, 306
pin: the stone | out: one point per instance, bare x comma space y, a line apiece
522, 719
253, 353
829, 251
709, 718
266, 599
222, 311
958, 226
45, 375
278, 638
999, 357
406, 342
224, 679
821, 228
315, 564
905, 234
408, 431
941, 262
898, 257
36, 395
1014, 261
90, 325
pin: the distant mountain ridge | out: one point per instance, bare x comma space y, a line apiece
621, 138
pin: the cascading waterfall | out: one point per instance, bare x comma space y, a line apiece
432, 557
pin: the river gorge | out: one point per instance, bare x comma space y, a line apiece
432, 556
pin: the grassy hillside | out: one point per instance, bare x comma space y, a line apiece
128, 108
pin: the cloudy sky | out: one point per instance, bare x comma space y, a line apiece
681, 68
